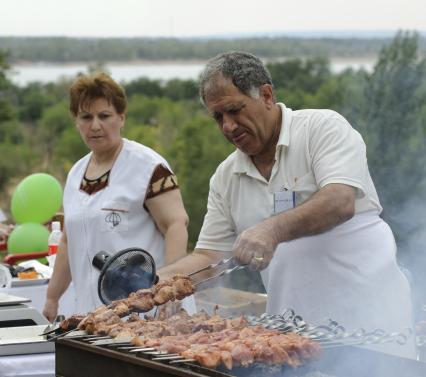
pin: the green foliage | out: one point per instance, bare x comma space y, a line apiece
301, 75
197, 151
55, 119
144, 86
68, 149
395, 122
53, 122
181, 90
17, 161
11, 132
6, 109
174, 89
32, 100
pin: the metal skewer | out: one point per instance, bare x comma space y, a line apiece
224, 272
142, 349
182, 361
211, 266
178, 357
60, 335
55, 330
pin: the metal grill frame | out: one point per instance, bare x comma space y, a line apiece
77, 358
73, 357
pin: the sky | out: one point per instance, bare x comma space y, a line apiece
193, 18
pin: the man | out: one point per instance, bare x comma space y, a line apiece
296, 201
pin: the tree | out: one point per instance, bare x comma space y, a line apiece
144, 86
6, 87
181, 89
54, 121
196, 153
394, 121
32, 100
300, 75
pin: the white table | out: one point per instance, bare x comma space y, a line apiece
35, 365
37, 295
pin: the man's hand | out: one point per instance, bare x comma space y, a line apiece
256, 246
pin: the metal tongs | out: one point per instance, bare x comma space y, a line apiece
54, 327
232, 267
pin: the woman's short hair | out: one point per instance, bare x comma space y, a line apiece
88, 88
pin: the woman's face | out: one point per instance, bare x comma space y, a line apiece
99, 125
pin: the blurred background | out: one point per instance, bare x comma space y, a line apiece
364, 59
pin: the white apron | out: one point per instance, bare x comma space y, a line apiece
111, 220
348, 274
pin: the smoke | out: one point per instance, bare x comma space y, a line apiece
233, 294
341, 362
409, 223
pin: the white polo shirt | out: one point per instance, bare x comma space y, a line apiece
348, 273
315, 148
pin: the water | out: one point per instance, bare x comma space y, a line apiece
125, 72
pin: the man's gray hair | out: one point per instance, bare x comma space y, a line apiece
246, 71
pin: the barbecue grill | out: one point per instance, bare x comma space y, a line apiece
90, 355
79, 358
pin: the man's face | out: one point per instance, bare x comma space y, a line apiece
242, 119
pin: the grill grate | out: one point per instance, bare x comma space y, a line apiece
79, 354
80, 358
77, 357
329, 333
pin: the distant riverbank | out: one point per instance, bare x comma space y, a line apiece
25, 72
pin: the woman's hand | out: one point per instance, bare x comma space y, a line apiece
59, 281
50, 309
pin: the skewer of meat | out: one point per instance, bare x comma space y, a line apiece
180, 323
238, 347
210, 340
143, 300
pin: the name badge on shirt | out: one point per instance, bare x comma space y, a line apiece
284, 200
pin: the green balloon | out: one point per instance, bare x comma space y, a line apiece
28, 238
36, 199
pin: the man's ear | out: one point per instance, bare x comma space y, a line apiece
267, 94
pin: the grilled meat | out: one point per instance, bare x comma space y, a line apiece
233, 347
210, 340
143, 300
180, 323
102, 315
71, 322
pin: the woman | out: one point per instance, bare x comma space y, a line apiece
122, 194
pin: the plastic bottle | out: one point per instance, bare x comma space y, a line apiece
53, 242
